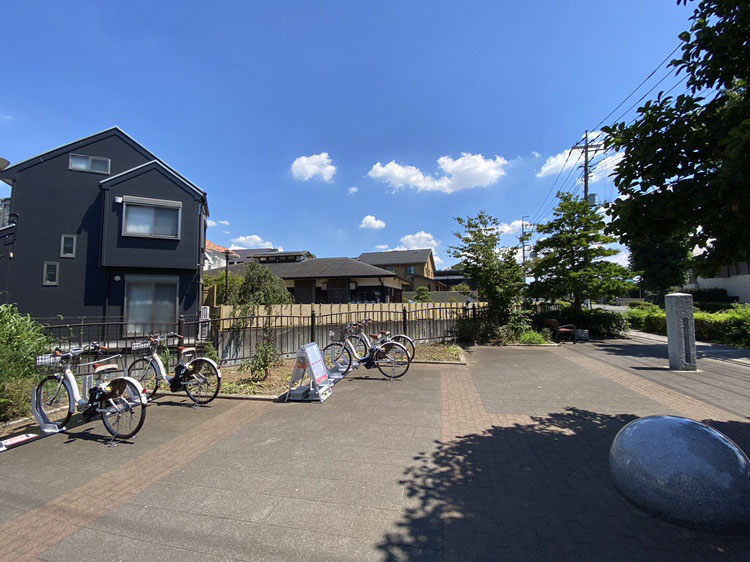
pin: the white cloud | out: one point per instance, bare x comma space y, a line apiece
353, 190
605, 167
470, 170
250, 241
535, 154
420, 240
5, 117
509, 228
621, 259
211, 223
566, 159
307, 167
371, 222
226, 232
381, 247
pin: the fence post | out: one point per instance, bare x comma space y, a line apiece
181, 325
474, 319
404, 315
80, 333
312, 325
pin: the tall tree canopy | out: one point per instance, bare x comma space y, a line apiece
498, 276
685, 170
662, 262
569, 256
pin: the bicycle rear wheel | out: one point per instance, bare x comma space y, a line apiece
54, 400
144, 371
337, 358
392, 360
408, 343
124, 415
203, 381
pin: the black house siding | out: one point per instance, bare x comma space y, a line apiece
52, 200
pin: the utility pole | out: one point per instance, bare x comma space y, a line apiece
523, 240
586, 148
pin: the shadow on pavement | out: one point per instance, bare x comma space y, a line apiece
539, 491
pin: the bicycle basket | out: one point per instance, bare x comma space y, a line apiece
337, 334
140, 345
47, 360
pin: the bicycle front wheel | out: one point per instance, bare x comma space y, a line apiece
124, 416
203, 381
54, 400
337, 358
358, 345
392, 360
408, 343
144, 371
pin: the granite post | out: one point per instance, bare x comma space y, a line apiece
680, 332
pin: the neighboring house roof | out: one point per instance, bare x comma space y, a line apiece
257, 253
313, 268
396, 257
211, 247
11, 172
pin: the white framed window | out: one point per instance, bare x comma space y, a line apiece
83, 163
151, 218
410, 270
51, 274
68, 246
151, 303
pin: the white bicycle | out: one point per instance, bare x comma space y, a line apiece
120, 402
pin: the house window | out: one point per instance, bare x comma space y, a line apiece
150, 303
51, 274
68, 246
410, 270
151, 218
96, 164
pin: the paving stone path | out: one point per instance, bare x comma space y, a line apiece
502, 459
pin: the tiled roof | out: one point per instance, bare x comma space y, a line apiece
313, 268
396, 257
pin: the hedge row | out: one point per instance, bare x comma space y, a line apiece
728, 326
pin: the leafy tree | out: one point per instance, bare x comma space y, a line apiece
423, 295
458, 266
258, 286
569, 256
462, 288
662, 262
498, 276
686, 160
217, 280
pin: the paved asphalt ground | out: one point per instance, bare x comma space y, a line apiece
502, 459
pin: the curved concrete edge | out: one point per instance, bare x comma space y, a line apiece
262, 397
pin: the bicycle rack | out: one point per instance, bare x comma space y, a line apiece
41, 419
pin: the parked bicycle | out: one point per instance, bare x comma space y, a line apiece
361, 345
199, 377
391, 358
120, 402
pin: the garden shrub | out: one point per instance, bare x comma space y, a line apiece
532, 337
21, 340
600, 323
712, 306
709, 295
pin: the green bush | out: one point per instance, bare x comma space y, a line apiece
532, 337
709, 295
600, 323
21, 340
712, 306
642, 305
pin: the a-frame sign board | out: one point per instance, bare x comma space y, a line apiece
310, 360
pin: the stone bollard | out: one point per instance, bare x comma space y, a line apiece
680, 332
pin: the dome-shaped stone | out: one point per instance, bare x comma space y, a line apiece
684, 472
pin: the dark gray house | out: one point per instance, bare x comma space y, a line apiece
103, 228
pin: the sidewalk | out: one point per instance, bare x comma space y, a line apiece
502, 459
703, 349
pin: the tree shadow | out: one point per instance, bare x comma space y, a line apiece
539, 491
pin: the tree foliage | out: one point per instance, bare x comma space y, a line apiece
570, 256
498, 276
662, 262
423, 294
258, 286
686, 159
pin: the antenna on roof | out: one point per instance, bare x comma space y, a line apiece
3, 163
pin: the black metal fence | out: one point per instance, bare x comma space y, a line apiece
235, 339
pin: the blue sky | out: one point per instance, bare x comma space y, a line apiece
303, 119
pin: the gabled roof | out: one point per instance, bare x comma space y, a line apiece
396, 257
211, 247
155, 165
313, 268
11, 171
